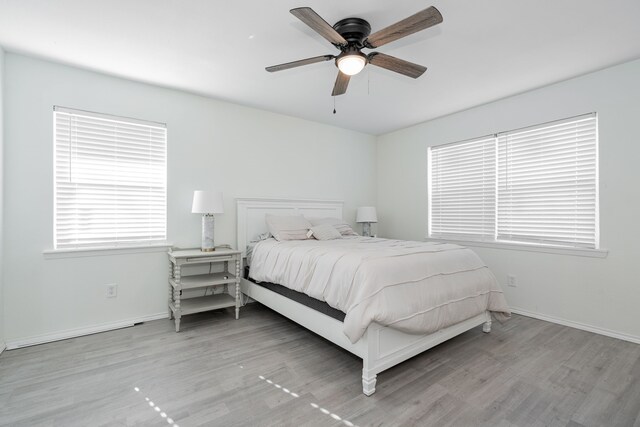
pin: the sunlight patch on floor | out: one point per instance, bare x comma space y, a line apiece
157, 409
313, 405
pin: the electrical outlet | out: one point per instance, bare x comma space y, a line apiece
111, 290
512, 281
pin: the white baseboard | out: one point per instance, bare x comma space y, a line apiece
577, 325
78, 332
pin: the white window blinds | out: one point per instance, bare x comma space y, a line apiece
537, 185
548, 184
110, 180
462, 190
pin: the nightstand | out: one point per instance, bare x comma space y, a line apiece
226, 262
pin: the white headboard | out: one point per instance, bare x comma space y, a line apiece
251, 214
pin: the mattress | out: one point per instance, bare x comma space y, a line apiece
299, 297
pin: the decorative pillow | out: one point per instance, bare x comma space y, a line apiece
337, 223
288, 227
264, 236
324, 232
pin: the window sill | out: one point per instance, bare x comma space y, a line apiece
91, 252
589, 253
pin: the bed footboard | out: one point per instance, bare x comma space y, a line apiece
380, 347
386, 347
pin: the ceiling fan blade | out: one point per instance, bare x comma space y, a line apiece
319, 25
340, 87
299, 63
418, 22
398, 65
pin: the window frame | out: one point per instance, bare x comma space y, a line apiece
597, 251
112, 247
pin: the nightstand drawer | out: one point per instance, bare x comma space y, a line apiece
209, 259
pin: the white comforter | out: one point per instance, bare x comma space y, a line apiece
416, 287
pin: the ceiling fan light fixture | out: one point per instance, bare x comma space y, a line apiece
351, 63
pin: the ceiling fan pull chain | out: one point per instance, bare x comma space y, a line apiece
334, 104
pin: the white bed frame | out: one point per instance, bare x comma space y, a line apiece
380, 347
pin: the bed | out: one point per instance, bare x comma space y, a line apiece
380, 347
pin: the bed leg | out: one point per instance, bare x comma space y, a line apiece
486, 327
368, 383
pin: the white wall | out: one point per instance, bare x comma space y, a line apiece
248, 153
2, 333
242, 151
603, 294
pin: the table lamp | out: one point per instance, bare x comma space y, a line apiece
366, 215
207, 203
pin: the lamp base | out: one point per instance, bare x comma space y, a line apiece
366, 229
208, 225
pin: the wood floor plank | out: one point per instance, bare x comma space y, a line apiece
265, 370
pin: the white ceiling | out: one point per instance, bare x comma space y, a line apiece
484, 50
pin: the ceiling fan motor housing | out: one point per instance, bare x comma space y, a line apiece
354, 30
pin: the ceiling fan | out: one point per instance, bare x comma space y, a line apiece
351, 35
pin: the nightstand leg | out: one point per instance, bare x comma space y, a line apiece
176, 298
237, 289
170, 290
176, 304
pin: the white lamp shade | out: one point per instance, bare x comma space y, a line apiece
366, 214
207, 202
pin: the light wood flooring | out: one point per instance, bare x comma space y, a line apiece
221, 372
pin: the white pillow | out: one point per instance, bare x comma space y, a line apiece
324, 232
288, 227
337, 223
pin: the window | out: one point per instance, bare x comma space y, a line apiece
110, 180
462, 195
537, 185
